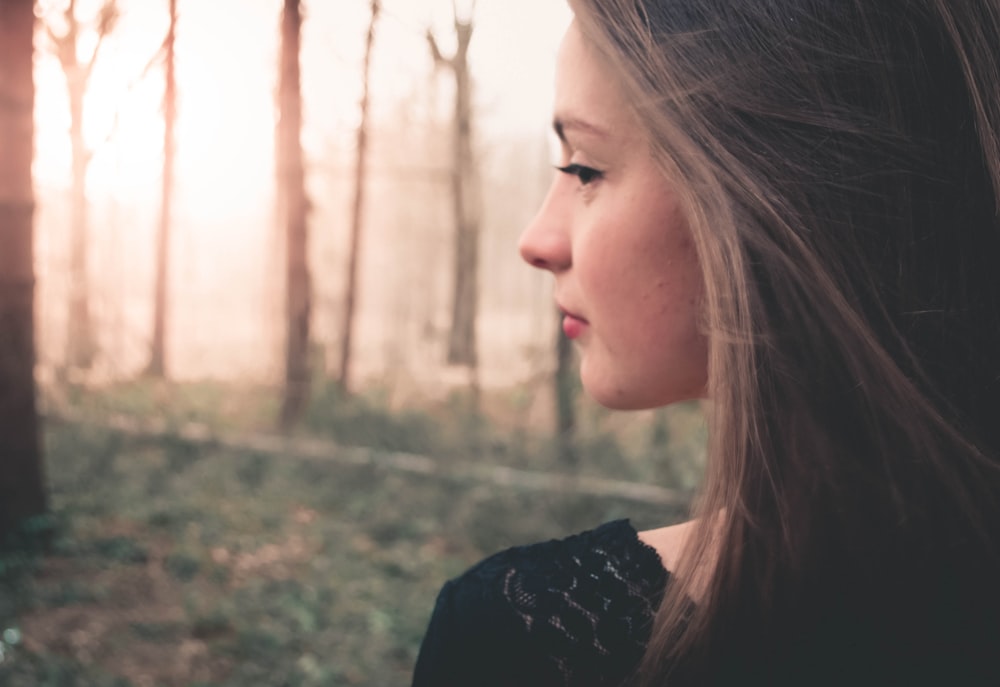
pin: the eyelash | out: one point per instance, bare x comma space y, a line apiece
586, 175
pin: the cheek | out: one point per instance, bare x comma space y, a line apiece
639, 272
681, 295
645, 295
649, 268
636, 255
671, 314
655, 300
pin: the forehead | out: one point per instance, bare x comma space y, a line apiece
587, 90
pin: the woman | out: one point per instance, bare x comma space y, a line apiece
790, 208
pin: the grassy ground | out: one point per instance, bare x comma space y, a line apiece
181, 564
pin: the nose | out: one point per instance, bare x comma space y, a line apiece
545, 242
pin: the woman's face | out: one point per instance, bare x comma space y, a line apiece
611, 231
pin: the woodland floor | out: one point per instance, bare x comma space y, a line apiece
182, 561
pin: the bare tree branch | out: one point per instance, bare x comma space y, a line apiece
113, 129
468, 17
56, 40
64, 47
107, 18
439, 59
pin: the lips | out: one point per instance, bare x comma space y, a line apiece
573, 325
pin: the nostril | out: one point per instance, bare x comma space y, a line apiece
532, 255
544, 250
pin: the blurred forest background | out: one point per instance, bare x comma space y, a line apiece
271, 369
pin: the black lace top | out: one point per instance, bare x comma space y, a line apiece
573, 612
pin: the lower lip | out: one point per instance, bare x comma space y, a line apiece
573, 327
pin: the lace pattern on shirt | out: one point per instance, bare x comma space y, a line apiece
589, 601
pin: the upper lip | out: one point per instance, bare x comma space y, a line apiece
569, 313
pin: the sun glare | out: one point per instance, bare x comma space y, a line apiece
224, 234
225, 112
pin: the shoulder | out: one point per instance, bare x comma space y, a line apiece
612, 554
668, 542
540, 614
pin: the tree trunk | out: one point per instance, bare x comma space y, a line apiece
565, 388
462, 345
157, 355
80, 347
294, 208
462, 348
358, 213
22, 494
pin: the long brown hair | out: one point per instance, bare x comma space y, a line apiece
839, 163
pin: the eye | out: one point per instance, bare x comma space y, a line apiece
585, 174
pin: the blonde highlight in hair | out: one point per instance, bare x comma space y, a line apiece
839, 166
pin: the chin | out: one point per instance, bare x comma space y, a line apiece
623, 397
616, 397
626, 402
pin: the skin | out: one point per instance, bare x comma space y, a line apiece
626, 272
625, 267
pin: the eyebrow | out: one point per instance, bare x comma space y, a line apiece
561, 124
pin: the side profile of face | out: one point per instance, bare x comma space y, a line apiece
611, 231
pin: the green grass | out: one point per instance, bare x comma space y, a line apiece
178, 564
